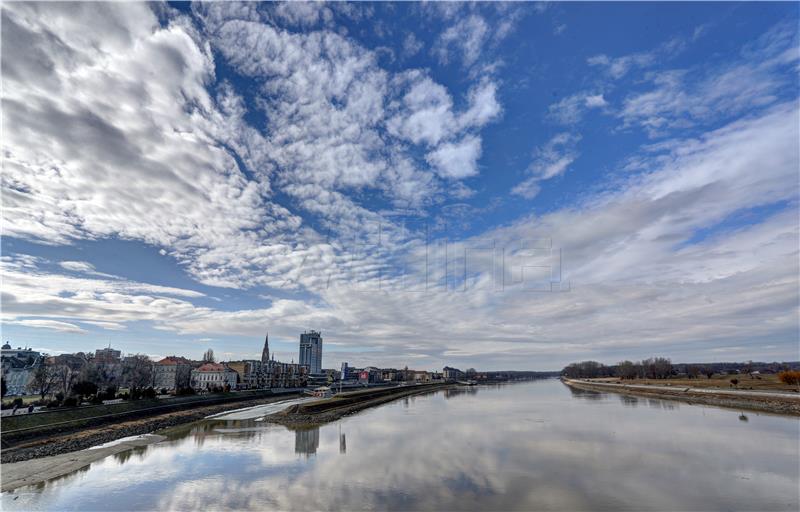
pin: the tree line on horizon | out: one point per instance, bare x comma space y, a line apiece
663, 368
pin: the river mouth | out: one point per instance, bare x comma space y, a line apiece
529, 446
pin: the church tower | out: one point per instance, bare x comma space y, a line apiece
265, 352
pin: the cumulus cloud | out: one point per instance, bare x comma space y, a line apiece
457, 160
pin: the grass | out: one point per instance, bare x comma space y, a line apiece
767, 382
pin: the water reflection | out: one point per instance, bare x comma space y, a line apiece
460, 391
587, 394
536, 446
306, 441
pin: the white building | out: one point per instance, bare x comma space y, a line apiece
213, 375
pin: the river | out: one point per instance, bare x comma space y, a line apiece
526, 446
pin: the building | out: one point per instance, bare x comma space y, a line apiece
214, 376
172, 373
251, 373
26, 355
18, 367
452, 373
107, 356
311, 351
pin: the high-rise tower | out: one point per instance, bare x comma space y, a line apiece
311, 351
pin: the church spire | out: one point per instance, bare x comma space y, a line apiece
265, 352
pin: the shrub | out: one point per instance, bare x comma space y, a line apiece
124, 396
149, 393
70, 401
84, 388
53, 404
17, 401
60, 396
790, 377
735, 382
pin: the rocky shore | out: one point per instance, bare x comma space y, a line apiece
762, 401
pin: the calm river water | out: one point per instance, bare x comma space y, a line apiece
528, 446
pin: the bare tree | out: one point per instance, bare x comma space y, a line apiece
137, 371
626, 370
208, 356
45, 378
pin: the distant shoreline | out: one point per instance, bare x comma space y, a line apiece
785, 404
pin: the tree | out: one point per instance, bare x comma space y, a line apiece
66, 376
4, 387
790, 377
709, 372
735, 382
626, 370
692, 371
137, 371
208, 356
662, 367
44, 380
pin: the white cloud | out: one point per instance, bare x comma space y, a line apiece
457, 160
467, 37
571, 109
550, 160
77, 266
53, 325
684, 98
411, 45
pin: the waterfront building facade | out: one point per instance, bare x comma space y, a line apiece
211, 376
172, 373
311, 351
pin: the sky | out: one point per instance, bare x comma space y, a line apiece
493, 185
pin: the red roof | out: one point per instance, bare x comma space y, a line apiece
170, 360
211, 367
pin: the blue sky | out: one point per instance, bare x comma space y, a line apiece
504, 185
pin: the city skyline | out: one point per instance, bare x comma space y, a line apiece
499, 186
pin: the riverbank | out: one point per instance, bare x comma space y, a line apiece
32, 472
763, 401
72, 441
323, 411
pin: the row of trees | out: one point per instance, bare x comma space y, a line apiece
73, 376
652, 368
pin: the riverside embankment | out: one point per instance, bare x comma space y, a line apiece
326, 410
764, 401
52, 433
